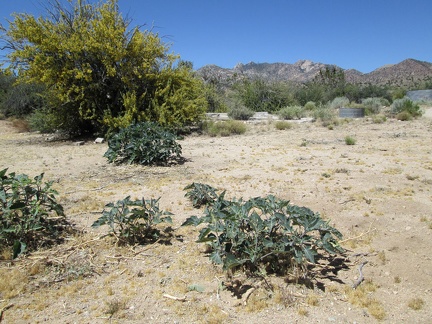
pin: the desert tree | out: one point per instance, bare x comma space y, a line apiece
257, 94
101, 74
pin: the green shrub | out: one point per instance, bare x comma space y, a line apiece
22, 99
264, 234
310, 106
349, 140
291, 112
406, 104
201, 194
339, 102
260, 95
43, 120
398, 93
143, 143
240, 113
282, 125
324, 114
404, 116
30, 216
133, 221
379, 119
226, 128
372, 105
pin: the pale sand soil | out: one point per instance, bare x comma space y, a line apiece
378, 193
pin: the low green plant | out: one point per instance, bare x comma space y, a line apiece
325, 114
240, 113
291, 112
226, 128
406, 105
404, 116
43, 120
22, 98
372, 105
379, 119
339, 102
310, 106
282, 125
264, 234
133, 221
143, 143
349, 140
200, 194
30, 216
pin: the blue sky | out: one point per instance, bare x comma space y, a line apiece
359, 34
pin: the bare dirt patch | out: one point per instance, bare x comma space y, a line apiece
376, 192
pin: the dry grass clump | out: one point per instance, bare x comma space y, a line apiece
21, 125
302, 311
362, 297
225, 128
312, 300
258, 301
12, 282
114, 306
416, 303
283, 125
284, 297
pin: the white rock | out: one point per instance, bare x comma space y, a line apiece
99, 140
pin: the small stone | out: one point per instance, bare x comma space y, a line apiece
99, 140
79, 143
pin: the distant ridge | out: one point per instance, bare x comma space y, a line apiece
407, 72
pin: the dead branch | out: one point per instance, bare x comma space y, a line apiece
182, 299
346, 201
361, 278
3, 310
127, 258
247, 295
363, 254
360, 235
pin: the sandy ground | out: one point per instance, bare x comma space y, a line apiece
376, 192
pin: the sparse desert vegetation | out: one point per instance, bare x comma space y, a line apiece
376, 193
121, 200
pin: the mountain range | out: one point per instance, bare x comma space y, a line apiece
409, 72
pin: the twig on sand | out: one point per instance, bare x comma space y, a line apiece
247, 295
361, 278
3, 310
370, 230
183, 299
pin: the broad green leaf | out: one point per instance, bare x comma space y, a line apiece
231, 261
195, 287
309, 254
215, 257
3, 173
18, 248
193, 220
268, 243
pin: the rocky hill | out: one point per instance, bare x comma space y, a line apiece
407, 72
